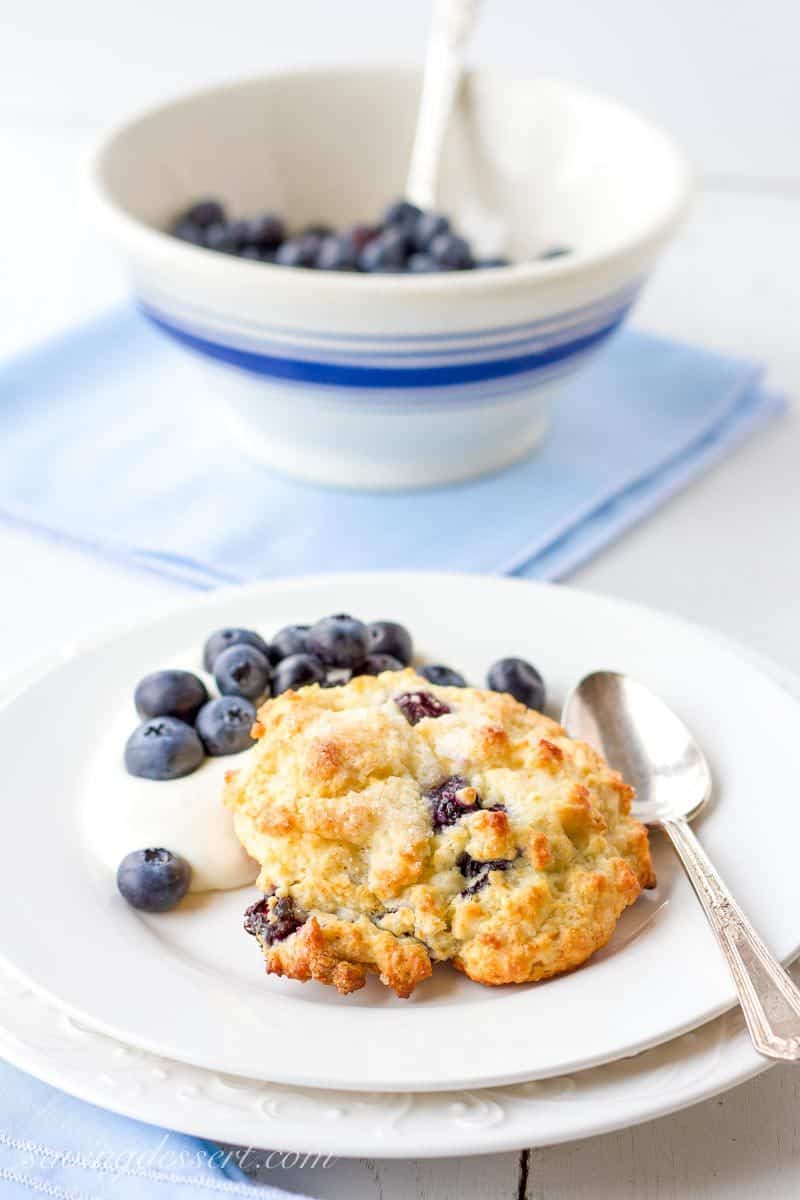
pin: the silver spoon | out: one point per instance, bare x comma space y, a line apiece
451, 28
655, 752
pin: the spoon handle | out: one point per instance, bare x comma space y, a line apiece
451, 29
769, 999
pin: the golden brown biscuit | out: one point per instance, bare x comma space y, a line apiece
399, 824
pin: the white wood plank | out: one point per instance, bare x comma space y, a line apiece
723, 551
491, 1177
57, 269
729, 281
737, 1147
723, 74
488, 1176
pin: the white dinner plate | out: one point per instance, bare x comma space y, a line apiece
190, 986
41, 1039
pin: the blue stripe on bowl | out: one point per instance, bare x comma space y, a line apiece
264, 341
458, 398
353, 376
198, 317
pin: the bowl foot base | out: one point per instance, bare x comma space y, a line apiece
338, 466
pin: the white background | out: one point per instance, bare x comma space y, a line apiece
724, 76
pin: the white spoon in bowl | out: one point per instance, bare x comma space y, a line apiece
451, 29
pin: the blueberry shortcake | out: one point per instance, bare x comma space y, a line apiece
399, 823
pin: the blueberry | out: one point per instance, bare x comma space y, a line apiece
224, 725
478, 871
290, 253
311, 243
554, 252
359, 235
170, 694
187, 231
520, 679
337, 254
448, 802
415, 706
485, 264
451, 251
298, 251
443, 676
387, 637
317, 230
267, 231
205, 213
296, 671
222, 639
243, 671
427, 227
292, 639
402, 213
340, 640
163, 748
252, 253
239, 233
273, 920
219, 237
376, 664
423, 264
153, 880
386, 252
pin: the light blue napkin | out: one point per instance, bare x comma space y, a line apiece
54, 1146
103, 441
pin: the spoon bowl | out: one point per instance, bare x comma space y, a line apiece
645, 741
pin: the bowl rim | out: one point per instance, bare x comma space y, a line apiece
116, 218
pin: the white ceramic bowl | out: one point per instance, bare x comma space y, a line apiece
388, 380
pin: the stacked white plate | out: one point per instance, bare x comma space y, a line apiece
170, 1019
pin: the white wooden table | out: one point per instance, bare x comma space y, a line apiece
724, 76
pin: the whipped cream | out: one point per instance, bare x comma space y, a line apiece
122, 813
